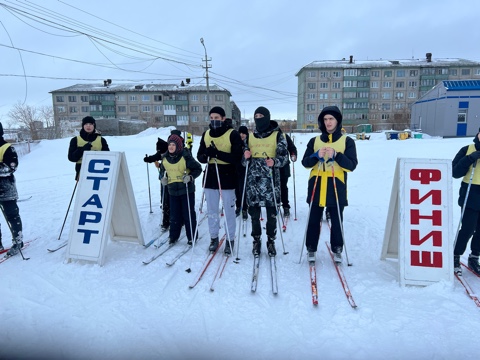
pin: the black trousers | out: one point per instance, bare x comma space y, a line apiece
315, 222
12, 216
470, 228
254, 212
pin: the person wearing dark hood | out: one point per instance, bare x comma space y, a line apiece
267, 153
221, 148
330, 149
180, 170
243, 131
9, 194
88, 139
285, 174
464, 165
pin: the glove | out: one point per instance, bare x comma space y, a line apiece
87, 146
315, 155
164, 181
474, 156
187, 179
212, 152
148, 159
293, 157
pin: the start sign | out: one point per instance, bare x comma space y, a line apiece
419, 222
104, 207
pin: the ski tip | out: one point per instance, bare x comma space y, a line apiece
285, 252
188, 270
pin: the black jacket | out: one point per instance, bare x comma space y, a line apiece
460, 167
75, 152
8, 189
227, 172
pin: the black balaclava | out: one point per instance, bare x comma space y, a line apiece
262, 124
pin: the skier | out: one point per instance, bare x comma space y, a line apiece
329, 149
9, 194
180, 170
162, 148
221, 148
267, 153
285, 174
462, 166
243, 131
88, 139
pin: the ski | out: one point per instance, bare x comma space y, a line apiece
468, 289
219, 272
313, 282
256, 269
155, 257
186, 249
6, 257
206, 263
24, 245
273, 275
24, 199
148, 244
342, 279
62, 245
466, 267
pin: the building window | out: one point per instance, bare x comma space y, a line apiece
400, 84
413, 73
195, 108
387, 84
375, 73
324, 74
465, 71
194, 118
72, 98
374, 95
374, 84
363, 84
399, 95
442, 71
452, 72
336, 85
387, 73
349, 83
84, 109
157, 98
169, 107
350, 72
134, 109
412, 95
311, 86
310, 107
61, 109
182, 108
399, 106
194, 97
311, 96
218, 97
311, 74
157, 108
310, 118
335, 95
427, 82
145, 108
145, 97
477, 71
84, 98
386, 95
205, 98
385, 116
336, 74
121, 97
323, 96
413, 84
400, 73
462, 116
133, 97
122, 109
363, 72
323, 85
60, 98
182, 97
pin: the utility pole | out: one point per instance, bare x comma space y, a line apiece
206, 74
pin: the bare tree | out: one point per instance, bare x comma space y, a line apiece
31, 118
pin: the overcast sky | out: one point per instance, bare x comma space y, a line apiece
255, 47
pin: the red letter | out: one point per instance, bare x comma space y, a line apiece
425, 176
426, 260
435, 235
436, 217
436, 196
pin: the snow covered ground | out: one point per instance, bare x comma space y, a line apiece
126, 310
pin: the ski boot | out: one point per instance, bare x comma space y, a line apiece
257, 245
457, 268
271, 247
213, 244
228, 250
337, 254
473, 264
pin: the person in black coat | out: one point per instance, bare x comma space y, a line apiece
331, 148
180, 170
88, 139
243, 131
9, 194
285, 174
465, 165
220, 147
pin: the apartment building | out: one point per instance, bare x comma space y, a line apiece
376, 92
183, 106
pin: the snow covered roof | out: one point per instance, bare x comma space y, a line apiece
137, 87
461, 85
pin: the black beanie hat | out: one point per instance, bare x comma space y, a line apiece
217, 110
1, 129
88, 120
330, 110
262, 124
178, 141
243, 130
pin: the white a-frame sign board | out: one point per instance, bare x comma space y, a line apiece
104, 206
419, 221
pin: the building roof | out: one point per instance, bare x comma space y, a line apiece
382, 63
461, 85
137, 87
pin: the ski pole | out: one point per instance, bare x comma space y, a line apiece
339, 214
465, 202
149, 194
189, 212
294, 192
203, 186
320, 162
270, 172
68, 209
241, 210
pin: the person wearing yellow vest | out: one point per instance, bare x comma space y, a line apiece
9, 194
220, 147
331, 148
266, 151
464, 165
88, 139
180, 170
